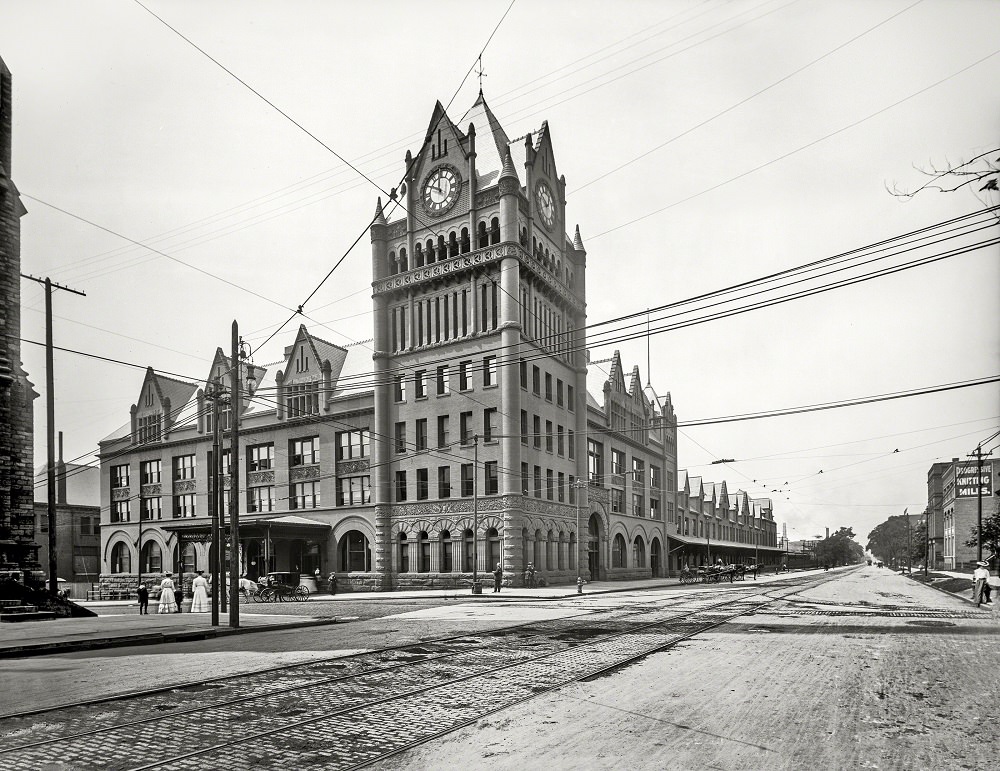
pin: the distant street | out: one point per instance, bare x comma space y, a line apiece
856, 668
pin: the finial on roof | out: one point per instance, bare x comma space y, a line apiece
379, 214
508, 171
577, 241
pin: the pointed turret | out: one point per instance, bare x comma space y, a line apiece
380, 215
578, 242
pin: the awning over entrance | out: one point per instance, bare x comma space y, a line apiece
251, 526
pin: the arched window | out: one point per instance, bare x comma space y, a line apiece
524, 237
393, 267
465, 240
442, 249
403, 266
425, 553
418, 255
536, 556
184, 562
574, 551
550, 551
483, 237
355, 552
404, 554
452, 244
429, 251
447, 565
467, 551
494, 231
493, 555
561, 553
121, 558
151, 558
618, 552
638, 553
534, 247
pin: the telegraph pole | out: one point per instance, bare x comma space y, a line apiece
216, 500
50, 417
234, 499
979, 500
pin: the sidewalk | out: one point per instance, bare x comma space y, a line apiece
119, 624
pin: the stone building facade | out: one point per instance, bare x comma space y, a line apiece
18, 550
965, 487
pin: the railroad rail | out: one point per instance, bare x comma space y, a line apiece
347, 712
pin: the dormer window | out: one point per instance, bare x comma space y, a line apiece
303, 399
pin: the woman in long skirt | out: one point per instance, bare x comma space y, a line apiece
167, 602
199, 601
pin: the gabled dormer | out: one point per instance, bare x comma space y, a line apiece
160, 400
306, 380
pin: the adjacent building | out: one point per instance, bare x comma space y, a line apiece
18, 550
965, 487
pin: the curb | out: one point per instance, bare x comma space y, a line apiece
967, 600
156, 638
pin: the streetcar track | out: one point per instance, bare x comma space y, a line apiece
747, 601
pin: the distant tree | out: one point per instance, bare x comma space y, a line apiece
991, 534
840, 549
980, 175
918, 543
888, 541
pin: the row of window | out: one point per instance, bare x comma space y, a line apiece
440, 379
454, 554
467, 431
702, 529
445, 316
553, 486
550, 393
444, 248
466, 489
560, 441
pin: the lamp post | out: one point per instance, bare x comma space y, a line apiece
476, 588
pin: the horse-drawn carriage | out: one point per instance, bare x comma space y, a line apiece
274, 587
714, 574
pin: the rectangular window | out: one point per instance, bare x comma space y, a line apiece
119, 476
524, 427
570, 399
468, 481
560, 441
422, 486
548, 436
638, 505
400, 438
464, 376
148, 429
489, 370
559, 392
617, 501
670, 511
420, 384
120, 511
149, 472
443, 380
489, 424
571, 440
572, 489
421, 438
549, 484
400, 485
492, 477
536, 380
354, 491
444, 481
465, 427
353, 444
260, 457
442, 431
184, 505
398, 388
523, 366
617, 461
536, 427
595, 461
538, 481
654, 479
260, 498
304, 452
548, 387
304, 495
149, 508
302, 399
561, 487
525, 479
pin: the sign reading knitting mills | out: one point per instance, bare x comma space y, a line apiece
965, 481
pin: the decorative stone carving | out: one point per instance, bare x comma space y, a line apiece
303, 472
396, 230
349, 467
487, 198
260, 478
508, 186
150, 491
445, 268
599, 494
120, 494
184, 486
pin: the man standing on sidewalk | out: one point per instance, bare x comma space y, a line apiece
143, 593
981, 584
497, 578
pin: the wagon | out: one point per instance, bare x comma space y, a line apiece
282, 587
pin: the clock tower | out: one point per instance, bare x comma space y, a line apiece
480, 396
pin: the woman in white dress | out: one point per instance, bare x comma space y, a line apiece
199, 602
167, 602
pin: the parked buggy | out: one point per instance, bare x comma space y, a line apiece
281, 587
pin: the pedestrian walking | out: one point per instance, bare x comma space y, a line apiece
332, 581
497, 578
981, 584
143, 593
179, 592
168, 603
199, 600
530, 576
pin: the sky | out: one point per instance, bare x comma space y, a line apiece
704, 143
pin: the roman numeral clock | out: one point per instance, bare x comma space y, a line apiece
440, 190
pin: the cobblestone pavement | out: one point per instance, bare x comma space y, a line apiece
337, 713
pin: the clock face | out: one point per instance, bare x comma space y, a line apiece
441, 190
546, 204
